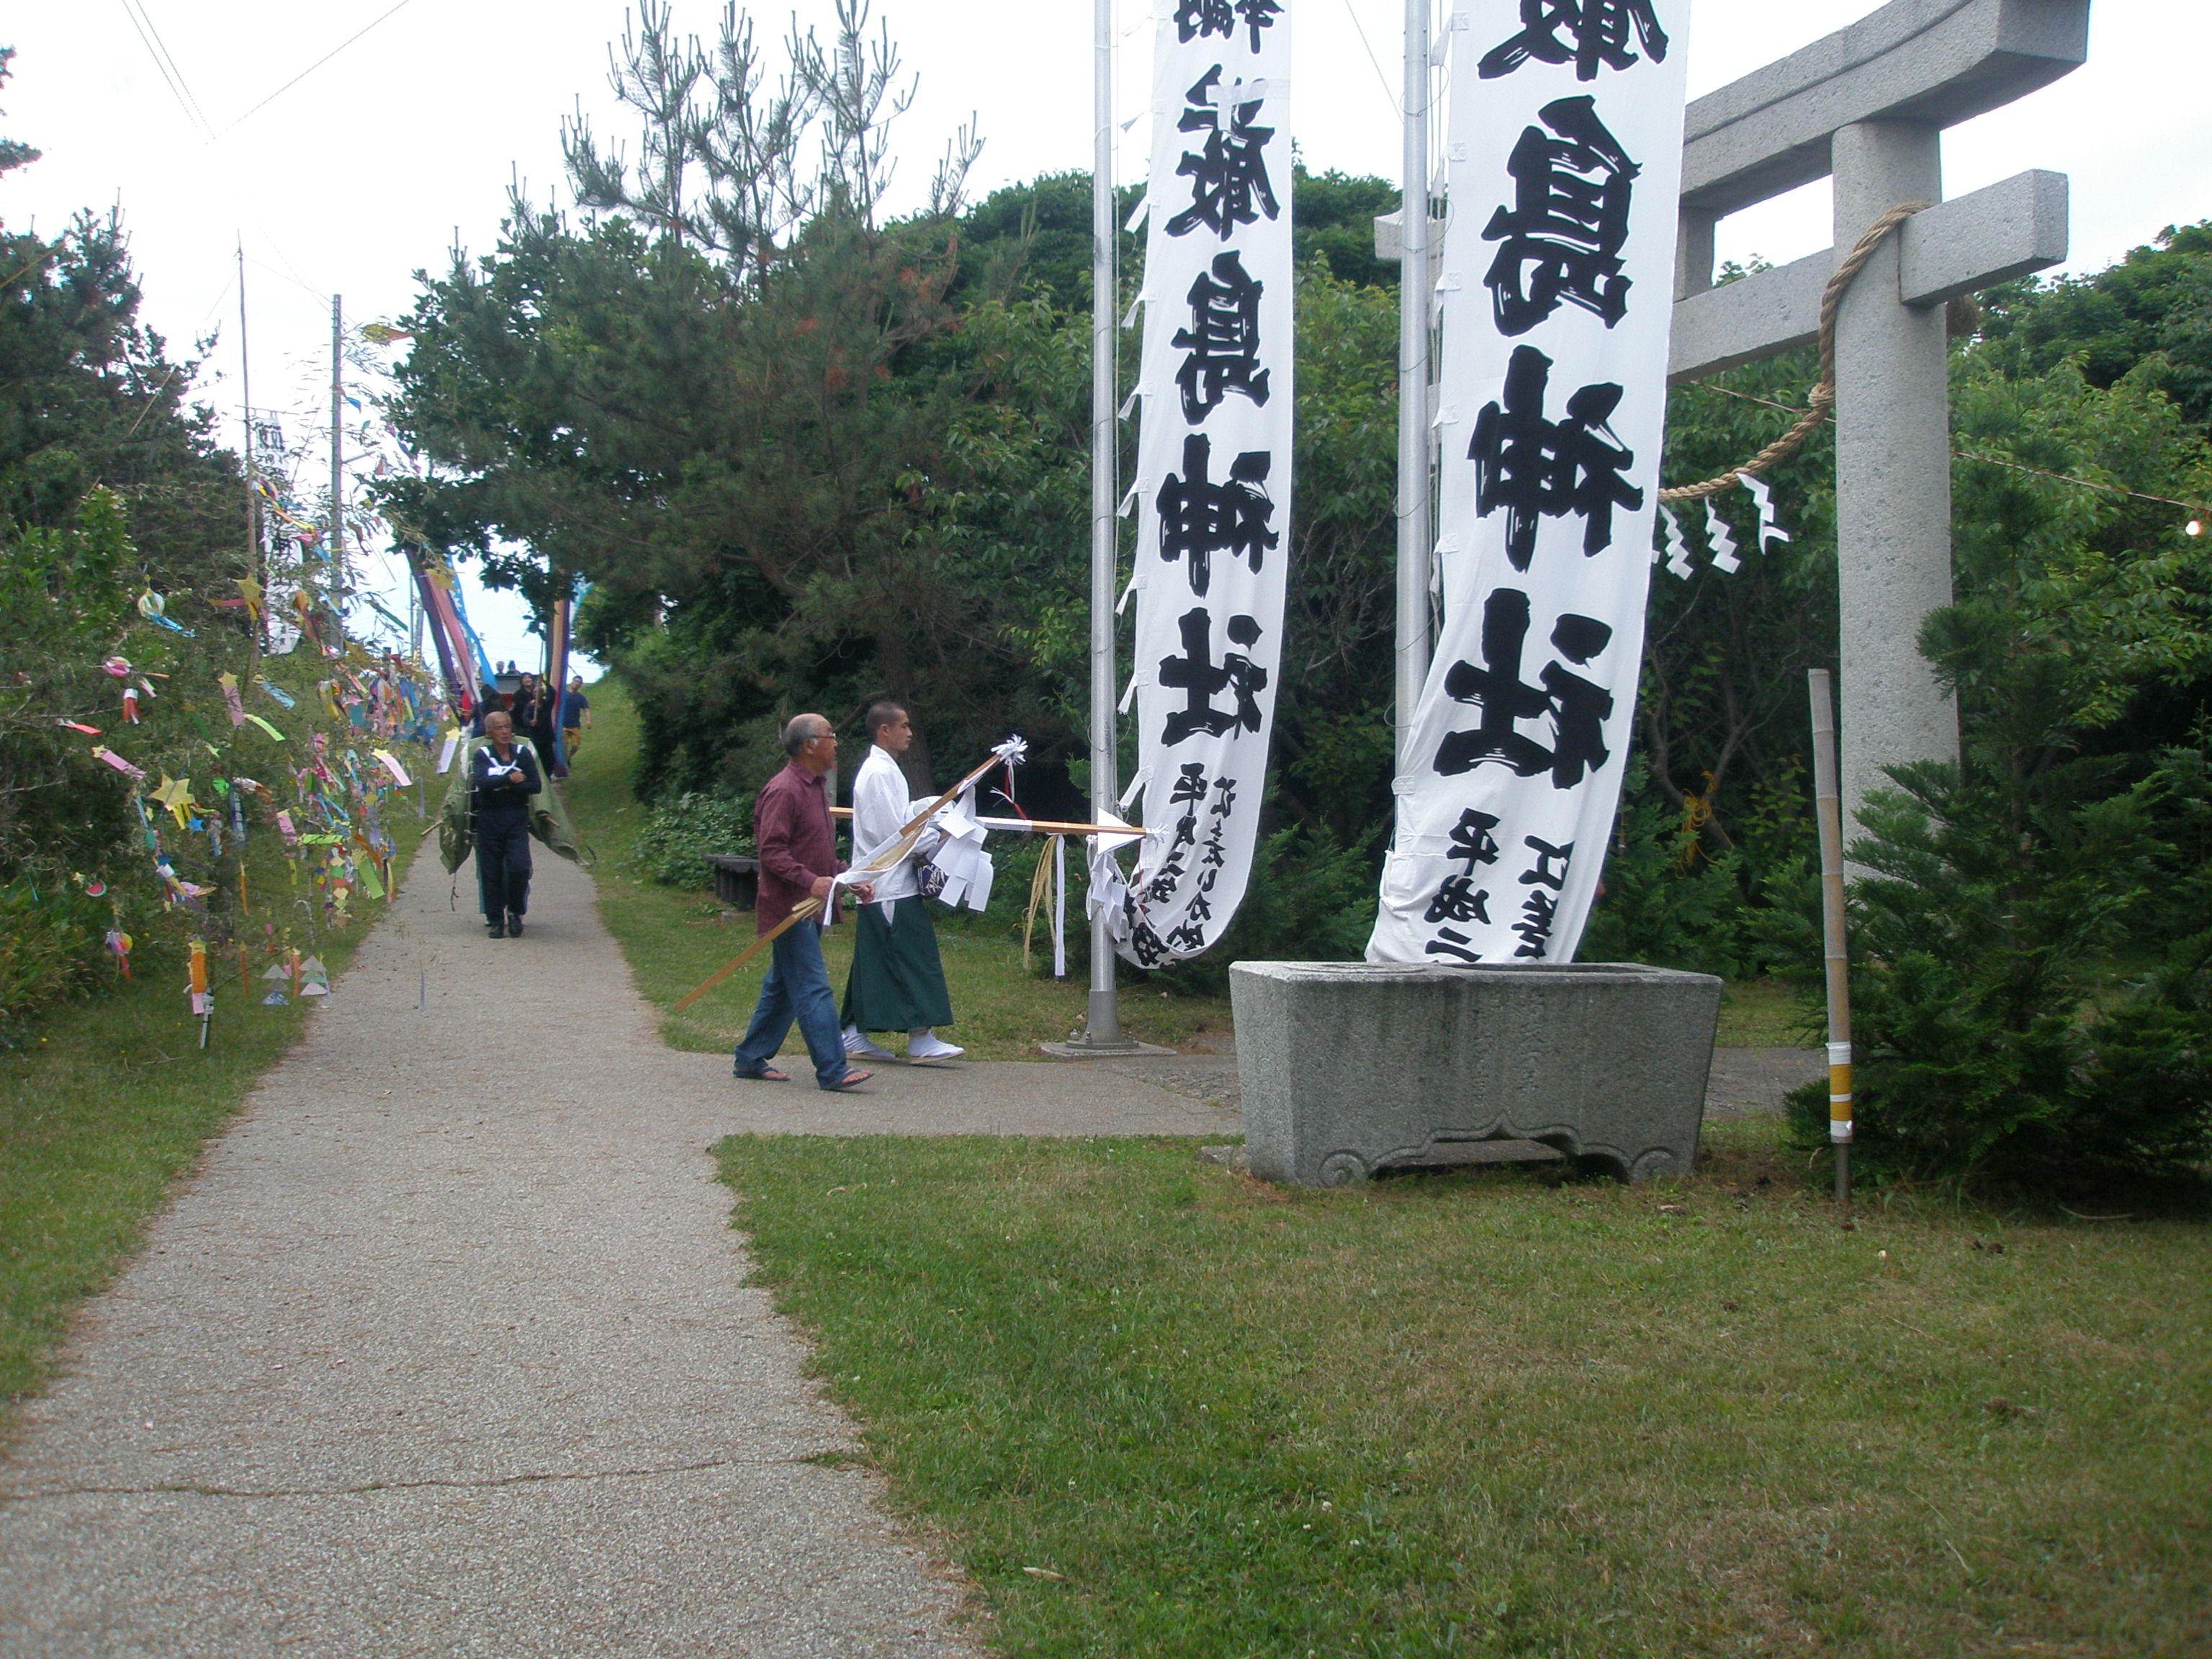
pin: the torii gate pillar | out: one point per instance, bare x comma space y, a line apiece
1892, 469
1867, 104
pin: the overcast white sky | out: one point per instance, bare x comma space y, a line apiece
367, 168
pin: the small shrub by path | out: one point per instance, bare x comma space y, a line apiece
1164, 1410
110, 1101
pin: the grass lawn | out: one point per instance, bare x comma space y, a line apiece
112, 1101
674, 939
1165, 1410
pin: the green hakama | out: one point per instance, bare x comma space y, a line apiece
897, 983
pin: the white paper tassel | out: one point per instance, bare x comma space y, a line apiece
1722, 540
1762, 493
1678, 545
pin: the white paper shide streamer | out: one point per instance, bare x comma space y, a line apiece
1213, 465
1556, 285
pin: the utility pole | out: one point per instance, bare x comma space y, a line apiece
336, 532
246, 448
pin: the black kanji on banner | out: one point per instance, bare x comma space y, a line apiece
1195, 674
1577, 707
1538, 468
1561, 239
1587, 34
1228, 177
1223, 341
1458, 899
1196, 18
1199, 517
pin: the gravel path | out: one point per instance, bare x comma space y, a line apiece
448, 1350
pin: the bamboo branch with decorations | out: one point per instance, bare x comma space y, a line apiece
1009, 753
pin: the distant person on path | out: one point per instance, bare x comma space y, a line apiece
533, 715
575, 717
503, 777
799, 861
897, 982
488, 704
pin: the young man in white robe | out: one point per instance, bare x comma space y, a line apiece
897, 981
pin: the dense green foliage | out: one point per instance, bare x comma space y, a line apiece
2030, 986
685, 830
110, 487
122, 545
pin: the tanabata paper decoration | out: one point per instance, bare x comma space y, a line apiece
155, 608
119, 944
176, 794
228, 681
79, 726
110, 757
199, 983
391, 765
276, 1000
131, 704
249, 591
314, 978
282, 697
117, 668
271, 730
446, 754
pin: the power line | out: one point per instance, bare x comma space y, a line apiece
311, 69
162, 46
163, 62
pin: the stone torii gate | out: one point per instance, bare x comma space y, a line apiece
1868, 107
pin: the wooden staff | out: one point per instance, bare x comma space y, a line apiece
1828, 809
884, 861
1036, 826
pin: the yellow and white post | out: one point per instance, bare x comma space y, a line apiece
1828, 808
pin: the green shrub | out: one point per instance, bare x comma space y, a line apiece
2007, 1020
685, 830
52, 947
1666, 901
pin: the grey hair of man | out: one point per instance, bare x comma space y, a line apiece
800, 729
883, 713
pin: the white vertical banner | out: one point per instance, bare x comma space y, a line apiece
1213, 465
1564, 155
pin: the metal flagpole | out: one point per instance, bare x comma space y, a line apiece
1415, 538
1103, 1029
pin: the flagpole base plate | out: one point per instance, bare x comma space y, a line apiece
1082, 1047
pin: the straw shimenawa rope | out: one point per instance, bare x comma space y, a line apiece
1822, 398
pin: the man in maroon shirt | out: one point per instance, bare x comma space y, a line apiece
798, 861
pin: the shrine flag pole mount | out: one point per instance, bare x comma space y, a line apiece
1213, 488
1556, 288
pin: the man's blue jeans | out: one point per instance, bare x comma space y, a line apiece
797, 987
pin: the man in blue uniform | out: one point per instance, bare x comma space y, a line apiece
503, 777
